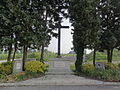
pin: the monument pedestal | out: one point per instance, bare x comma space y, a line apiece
59, 66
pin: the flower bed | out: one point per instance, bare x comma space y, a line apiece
111, 72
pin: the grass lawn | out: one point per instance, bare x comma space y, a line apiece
102, 56
4, 56
35, 55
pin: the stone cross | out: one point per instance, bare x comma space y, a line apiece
59, 37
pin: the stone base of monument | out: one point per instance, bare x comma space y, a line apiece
59, 66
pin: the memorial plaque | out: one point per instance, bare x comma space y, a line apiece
59, 64
18, 65
100, 66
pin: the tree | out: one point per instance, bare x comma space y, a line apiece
85, 23
53, 9
108, 13
28, 23
24, 26
7, 22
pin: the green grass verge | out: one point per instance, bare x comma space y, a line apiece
35, 55
4, 56
102, 56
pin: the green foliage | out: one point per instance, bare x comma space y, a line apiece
108, 11
95, 74
47, 55
35, 66
26, 75
86, 27
103, 56
111, 72
87, 68
68, 54
99, 56
111, 75
119, 65
72, 67
20, 76
110, 66
35, 55
4, 56
17, 56
6, 68
2, 76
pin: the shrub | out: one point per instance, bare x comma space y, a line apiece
35, 66
109, 66
10, 78
35, 55
72, 67
115, 74
26, 75
20, 76
2, 76
119, 65
87, 68
6, 68
110, 75
96, 74
45, 67
111, 72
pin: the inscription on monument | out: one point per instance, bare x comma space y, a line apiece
17, 67
59, 64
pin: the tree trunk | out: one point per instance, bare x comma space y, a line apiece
108, 55
79, 61
9, 52
15, 49
111, 54
42, 50
24, 57
42, 54
94, 57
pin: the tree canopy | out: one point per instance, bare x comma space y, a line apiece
28, 23
96, 26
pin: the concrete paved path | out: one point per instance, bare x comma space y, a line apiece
59, 80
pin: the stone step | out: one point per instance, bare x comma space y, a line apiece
60, 73
58, 70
